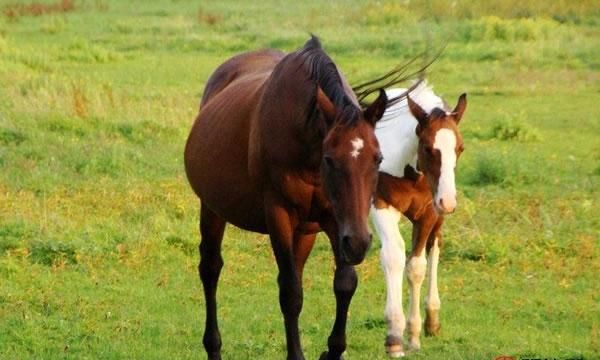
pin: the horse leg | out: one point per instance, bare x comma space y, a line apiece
345, 282
290, 288
211, 262
303, 244
415, 274
432, 301
393, 259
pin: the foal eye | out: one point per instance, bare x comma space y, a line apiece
378, 159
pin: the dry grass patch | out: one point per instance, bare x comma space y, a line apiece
14, 11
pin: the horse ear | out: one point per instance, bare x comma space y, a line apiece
375, 111
326, 106
460, 108
417, 111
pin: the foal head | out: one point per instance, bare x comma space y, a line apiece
349, 169
440, 145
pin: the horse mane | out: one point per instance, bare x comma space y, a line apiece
320, 68
424, 96
401, 73
420, 92
437, 113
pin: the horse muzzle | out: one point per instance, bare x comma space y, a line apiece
353, 249
445, 205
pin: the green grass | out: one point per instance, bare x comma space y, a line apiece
98, 227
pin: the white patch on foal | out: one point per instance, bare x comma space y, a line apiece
432, 301
395, 132
445, 196
357, 145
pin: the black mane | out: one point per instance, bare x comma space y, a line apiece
323, 71
437, 113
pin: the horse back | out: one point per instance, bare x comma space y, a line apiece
216, 153
245, 64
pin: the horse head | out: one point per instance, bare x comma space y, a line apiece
349, 169
440, 146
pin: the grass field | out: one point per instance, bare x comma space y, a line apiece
98, 227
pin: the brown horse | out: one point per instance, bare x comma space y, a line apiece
280, 146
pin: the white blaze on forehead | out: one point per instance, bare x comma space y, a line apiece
357, 145
445, 142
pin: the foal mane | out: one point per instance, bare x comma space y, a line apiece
321, 69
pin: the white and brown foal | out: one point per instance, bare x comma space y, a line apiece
420, 144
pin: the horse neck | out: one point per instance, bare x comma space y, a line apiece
279, 130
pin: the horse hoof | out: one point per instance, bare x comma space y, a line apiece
414, 345
432, 329
214, 356
325, 356
432, 323
395, 351
393, 346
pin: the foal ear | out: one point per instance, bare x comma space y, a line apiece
375, 111
417, 111
460, 108
326, 106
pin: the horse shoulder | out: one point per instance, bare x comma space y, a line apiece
238, 66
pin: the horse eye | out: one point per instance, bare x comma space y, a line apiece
429, 150
461, 149
329, 161
378, 159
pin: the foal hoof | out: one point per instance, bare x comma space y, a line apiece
432, 329
393, 346
325, 356
432, 323
395, 351
414, 345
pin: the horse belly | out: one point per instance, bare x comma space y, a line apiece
216, 160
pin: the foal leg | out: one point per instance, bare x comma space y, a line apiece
415, 274
432, 301
393, 258
211, 262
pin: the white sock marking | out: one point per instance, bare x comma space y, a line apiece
393, 258
415, 273
432, 301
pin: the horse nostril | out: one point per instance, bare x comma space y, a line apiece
346, 241
447, 209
